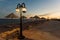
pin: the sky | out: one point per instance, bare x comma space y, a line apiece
34, 7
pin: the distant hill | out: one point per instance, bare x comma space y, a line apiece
11, 16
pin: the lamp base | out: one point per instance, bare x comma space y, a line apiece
24, 38
21, 37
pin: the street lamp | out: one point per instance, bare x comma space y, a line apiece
21, 9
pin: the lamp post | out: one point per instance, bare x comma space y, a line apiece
21, 9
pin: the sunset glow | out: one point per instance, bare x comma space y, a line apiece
34, 7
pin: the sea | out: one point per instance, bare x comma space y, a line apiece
9, 21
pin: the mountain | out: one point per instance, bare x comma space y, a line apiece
11, 16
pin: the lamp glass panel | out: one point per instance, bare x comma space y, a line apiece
24, 9
17, 10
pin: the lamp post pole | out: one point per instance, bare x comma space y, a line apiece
21, 34
21, 9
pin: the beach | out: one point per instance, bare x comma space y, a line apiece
47, 30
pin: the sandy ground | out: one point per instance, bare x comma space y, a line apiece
39, 35
49, 30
